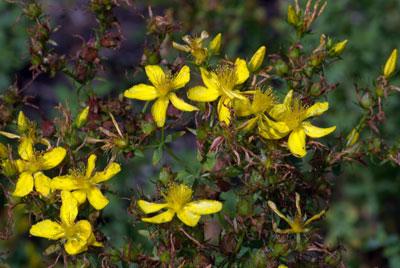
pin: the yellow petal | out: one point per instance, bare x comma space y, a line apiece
182, 78
188, 217
257, 59
91, 164
47, 229
297, 142
248, 125
277, 111
204, 207
317, 109
141, 92
272, 206
316, 132
42, 183
390, 65
288, 98
314, 218
272, 130
210, 79
155, 74
80, 196
242, 73
181, 104
215, 44
69, 208
159, 110
203, 94
280, 127
53, 158
184, 48
92, 241
24, 185
111, 170
67, 182
22, 122
224, 112
161, 218
79, 240
242, 107
25, 148
149, 207
96, 198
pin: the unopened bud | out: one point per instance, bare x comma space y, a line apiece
352, 138
82, 117
339, 47
292, 16
215, 44
257, 59
390, 65
22, 122
3, 151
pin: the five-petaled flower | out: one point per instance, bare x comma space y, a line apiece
178, 201
261, 104
299, 223
85, 185
31, 165
222, 82
78, 236
294, 114
162, 91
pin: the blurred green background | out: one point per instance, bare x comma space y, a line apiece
364, 217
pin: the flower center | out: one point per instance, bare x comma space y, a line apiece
294, 115
227, 78
178, 196
165, 85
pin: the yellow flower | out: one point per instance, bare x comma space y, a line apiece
295, 115
78, 235
257, 59
223, 83
31, 165
86, 185
194, 46
390, 65
298, 224
262, 102
178, 201
162, 89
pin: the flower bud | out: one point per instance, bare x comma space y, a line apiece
257, 59
215, 44
22, 122
292, 16
339, 47
352, 138
390, 65
82, 117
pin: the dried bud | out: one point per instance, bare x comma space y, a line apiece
390, 65
215, 44
257, 59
